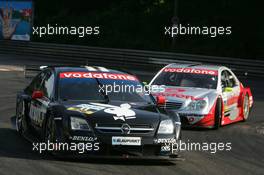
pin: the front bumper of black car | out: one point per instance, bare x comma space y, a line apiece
160, 147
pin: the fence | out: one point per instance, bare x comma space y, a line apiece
123, 58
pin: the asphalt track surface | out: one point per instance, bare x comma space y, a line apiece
245, 157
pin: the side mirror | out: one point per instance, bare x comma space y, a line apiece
228, 89
161, 100
37, 95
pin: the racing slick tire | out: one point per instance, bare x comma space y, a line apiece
218, 114
50, 134
246, 108
21, 122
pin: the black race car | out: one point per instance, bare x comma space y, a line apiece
66, 106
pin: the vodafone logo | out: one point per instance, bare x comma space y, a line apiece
192, 71
97, 75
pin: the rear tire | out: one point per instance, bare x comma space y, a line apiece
21, 123
218, 114
246, 108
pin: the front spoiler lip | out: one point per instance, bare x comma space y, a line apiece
124, 157
196, 127
201, 124
105, 145
187, 125
106, 139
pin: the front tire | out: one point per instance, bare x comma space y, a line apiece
218, 114
50, 130
50, 136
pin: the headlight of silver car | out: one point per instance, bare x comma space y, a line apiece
166, 127
79, 124
197, 105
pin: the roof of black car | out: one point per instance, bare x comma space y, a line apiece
87, 69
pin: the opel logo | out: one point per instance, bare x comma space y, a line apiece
125, 128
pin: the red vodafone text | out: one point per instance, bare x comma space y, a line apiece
192, 71
98, 75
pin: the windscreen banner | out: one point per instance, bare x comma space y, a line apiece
15, 20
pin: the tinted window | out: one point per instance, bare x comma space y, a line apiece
227, 79
186, 80
48, 84
35, 84
79, 89
89, 89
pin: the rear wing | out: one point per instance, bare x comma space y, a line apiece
30, 71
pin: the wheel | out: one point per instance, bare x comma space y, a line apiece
218, 114
50, 131
21, 123
50, 136
246, 107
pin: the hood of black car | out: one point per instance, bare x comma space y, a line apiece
117, 113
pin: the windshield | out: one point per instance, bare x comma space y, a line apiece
186, 80
91, 88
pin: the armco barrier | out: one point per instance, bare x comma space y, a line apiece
124, 58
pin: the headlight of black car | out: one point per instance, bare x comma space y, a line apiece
79, 124
166, 127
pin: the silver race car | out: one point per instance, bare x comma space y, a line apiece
204, 95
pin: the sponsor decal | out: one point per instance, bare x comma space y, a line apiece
232, 100
121, 113
83, 138
37, 114
98, 75
86, 108
177, 95
192, 71
164, 140
132, 141
176, 92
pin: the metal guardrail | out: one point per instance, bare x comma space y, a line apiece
122, 58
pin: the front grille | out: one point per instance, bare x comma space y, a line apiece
172, 105
117, 128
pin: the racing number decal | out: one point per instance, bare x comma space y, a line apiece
86, 108
230, 100
37, 112
230, 93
